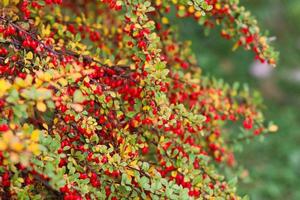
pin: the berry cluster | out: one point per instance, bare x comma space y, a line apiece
100, 100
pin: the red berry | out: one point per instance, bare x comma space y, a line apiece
4, 127
145, 150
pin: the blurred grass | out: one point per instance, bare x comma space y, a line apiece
274, 165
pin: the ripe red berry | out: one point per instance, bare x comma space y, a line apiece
248, 124
145, 150
4, 127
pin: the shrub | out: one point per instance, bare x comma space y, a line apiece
100, 100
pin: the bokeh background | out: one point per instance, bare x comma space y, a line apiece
273, 164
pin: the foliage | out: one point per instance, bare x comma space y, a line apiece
273, 162
100, 100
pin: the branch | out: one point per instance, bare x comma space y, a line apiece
242, 139
59, 195
60, 53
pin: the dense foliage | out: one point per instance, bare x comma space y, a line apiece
100, 100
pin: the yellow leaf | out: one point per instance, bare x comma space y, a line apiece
273, 128
7, 136
29, 55
38, 82
46, 30
5, 2
26, 127
3, 145
235, 46
17, 146
37, 21
55, 121
75, 76
28, 80
146, 108
158, 2
126, 127
15, 1
14, 157
20, 83
35, 136
165, 20
63, 82
12, 126
45, 126
122, 62
130, 173
162, 138
108, 62
212, 138
173, 173
4, 86
6, 60
41, 106
134, 164
34, 148
47, 76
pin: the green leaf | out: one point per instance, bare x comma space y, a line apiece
125, 180
144, 182
147, 3
13, 97
77, 37
145, 166
95, 139
156, 185
20, 111
131, 114
116, 158
197, 180
78, 97
245, 197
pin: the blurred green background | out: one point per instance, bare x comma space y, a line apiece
274, 164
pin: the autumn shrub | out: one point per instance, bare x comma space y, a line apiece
99, 99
